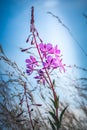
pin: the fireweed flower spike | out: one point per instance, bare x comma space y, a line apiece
50, 59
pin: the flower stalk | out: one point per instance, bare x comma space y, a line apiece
49, 79
50, 60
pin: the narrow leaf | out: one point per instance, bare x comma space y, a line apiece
62, 113
56, 102
53, 82
52, 125
54, 117
53, 110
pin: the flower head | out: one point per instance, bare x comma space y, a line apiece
31, 64
40, 77
49, 62
46, 49
56, 51
32, 61
53, 63
57, 63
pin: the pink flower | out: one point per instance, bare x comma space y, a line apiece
57, 63
31, 64
49, 62
53, 63
40, 77
32, 61
56, 51
29, 70
46, 49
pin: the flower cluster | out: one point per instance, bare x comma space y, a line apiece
51, 59
31, 64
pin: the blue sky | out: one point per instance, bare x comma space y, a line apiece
15, 24
15, 28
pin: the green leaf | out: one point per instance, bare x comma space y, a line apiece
55, 118
57, 123
53, 82
56, 102
52, 115
52, 108
52, 101
58, 126
62, 113
52, 125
